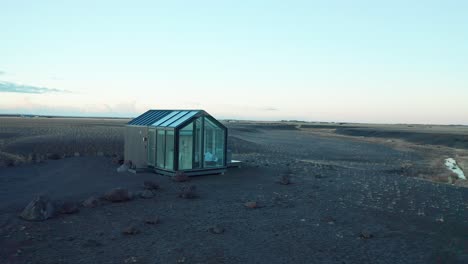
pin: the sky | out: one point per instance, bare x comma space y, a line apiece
340, 61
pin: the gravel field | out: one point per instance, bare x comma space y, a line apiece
349, 201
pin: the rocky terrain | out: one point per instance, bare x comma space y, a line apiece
302, 196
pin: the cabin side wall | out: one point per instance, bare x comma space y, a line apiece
135, 145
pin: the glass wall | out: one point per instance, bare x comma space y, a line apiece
214, 145
198, 151
169, 163
151, 147
160, 146
186, 147
201, 144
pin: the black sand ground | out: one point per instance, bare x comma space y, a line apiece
348, 203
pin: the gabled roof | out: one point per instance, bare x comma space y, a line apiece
164, 118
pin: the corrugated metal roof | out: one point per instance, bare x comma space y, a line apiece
163, 118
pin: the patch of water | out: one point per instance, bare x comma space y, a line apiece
452, 165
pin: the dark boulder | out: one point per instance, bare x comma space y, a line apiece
118, 195
146, 194
188, 192
180, 177
150, 185
91, 202
69, 208
39, 209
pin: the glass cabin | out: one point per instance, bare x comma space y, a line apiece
191, 141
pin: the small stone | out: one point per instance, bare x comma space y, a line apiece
329, 220
91, 243
91, 202
365, 235
180, 177
216, 229
146, 194
69, 208
76, 154
251, 205
188, 192
100, 154
285, 180
54, 156
152, 220
118, 195
131, 260
150, 185
131, 230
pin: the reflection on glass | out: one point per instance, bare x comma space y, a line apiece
197, 162
214, 145
160, 140
186, 147
169, 165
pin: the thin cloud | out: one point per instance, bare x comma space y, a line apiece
270, 109
9, 87
2, 73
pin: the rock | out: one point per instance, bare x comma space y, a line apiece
117, 159
91, 243
329, 220
54, 156
100, 154
251, 205
76, 154
216, 229
365, 234
188, 192
152, 220
131, 230
91, 202
285, 180
146, 194
123, 168
180, 177
150, 185
131, 260
39, 209
69, 208
118, 195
